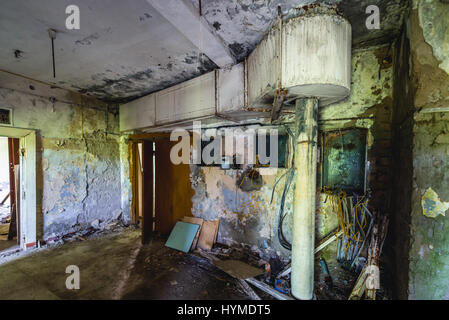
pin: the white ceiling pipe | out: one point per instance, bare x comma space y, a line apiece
316, 65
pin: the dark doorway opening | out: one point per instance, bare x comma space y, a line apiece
9, 192
162, 193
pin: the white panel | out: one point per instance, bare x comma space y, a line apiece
231, 89
188, 100
263, 70
138, 114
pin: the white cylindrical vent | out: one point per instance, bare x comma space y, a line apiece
315, 61
316, 57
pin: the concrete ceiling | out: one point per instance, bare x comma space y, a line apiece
127, 49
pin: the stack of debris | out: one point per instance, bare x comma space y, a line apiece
272, 276
97, 228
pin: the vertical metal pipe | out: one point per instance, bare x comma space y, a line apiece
305, 194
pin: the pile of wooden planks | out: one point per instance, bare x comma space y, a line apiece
369, 279
206, 234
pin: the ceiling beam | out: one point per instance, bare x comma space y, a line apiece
186, 18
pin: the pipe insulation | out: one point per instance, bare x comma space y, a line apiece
305, 163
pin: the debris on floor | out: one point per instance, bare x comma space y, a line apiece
270, 275
96, 229
179, 275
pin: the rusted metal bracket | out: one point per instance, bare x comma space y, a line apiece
277, 104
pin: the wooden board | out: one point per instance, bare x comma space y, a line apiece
182, 236
238, 269
208, 234
197, 221
4, 228
217, 223
146, 155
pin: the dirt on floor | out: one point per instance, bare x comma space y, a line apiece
116, 266
164, 273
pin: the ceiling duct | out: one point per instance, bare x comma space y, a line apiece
307, 56
315, 61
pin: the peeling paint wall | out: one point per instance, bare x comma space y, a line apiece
429, 237
78, 159
250, 218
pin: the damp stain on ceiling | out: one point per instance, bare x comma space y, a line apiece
243, 23
126, 49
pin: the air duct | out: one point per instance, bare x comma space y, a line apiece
310, 56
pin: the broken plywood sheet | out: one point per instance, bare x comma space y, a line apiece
208, 235
237, 269
197, 221
432, 206
182, 235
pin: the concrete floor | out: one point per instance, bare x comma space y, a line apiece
116, 266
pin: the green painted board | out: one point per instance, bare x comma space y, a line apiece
182, 235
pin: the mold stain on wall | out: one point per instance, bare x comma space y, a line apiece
78, 159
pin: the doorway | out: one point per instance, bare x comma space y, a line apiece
162, 193
22, 170
9, 193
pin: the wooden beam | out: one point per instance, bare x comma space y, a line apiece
248, 290
277, 105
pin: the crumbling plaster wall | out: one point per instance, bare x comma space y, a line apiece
429, 237
78, 166
125, 178
250, 218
